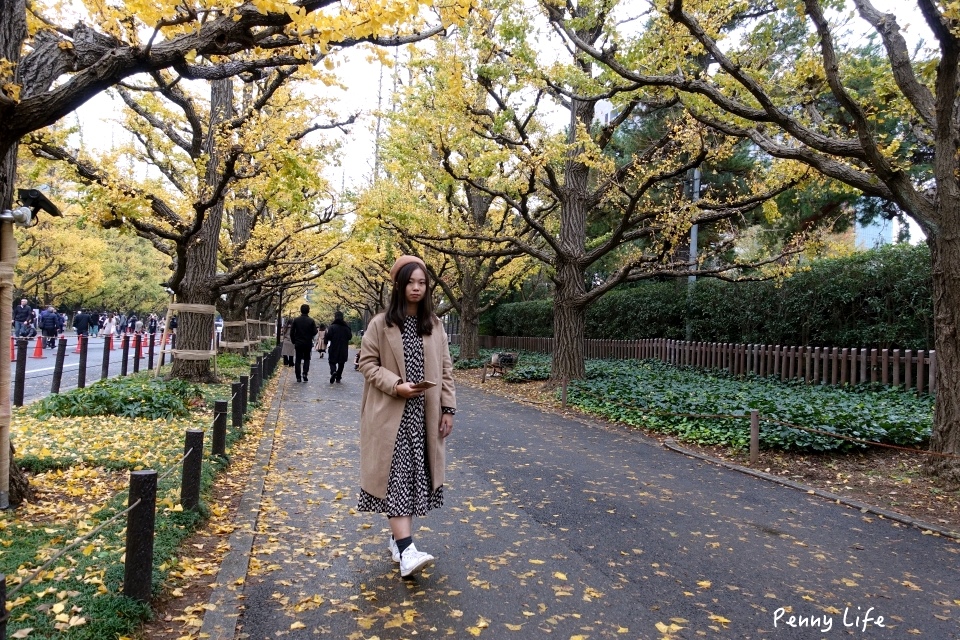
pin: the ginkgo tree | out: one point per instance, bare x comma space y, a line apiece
578, 203
791, 80
432, 212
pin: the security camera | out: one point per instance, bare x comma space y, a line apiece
35, 199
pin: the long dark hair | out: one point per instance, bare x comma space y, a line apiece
397, 309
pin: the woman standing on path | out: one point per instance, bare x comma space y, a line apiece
403, 424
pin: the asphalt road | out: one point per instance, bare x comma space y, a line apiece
559, 527
39, 372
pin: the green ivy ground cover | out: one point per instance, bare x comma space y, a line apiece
649, 393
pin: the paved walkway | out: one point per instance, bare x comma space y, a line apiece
556, 527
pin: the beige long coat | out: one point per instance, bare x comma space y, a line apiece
382, 366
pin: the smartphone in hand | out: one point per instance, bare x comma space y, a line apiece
423, 385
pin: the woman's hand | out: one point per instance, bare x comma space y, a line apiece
407, 390
446, 425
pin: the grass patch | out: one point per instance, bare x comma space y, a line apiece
651, 394
81, 466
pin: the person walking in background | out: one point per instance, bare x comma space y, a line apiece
337, 338
109, 327
302, 332
21, 314
152, 324
322, 340
287, 350
50, 325
81, 323
96, 322
406, 411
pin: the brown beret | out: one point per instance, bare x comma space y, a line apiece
402, 261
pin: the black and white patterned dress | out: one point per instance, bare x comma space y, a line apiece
409, 489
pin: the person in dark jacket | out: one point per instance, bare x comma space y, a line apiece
20, 316
81, 323
50, 325
338, 340
302, 331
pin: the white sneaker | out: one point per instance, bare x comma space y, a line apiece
412, 561
394, 550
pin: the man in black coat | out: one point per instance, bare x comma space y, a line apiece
50, 324
302, 331
338, 338
81, 322
21, 315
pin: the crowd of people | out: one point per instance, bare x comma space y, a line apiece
29, 322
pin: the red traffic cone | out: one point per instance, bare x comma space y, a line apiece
140, 341
113, 343
79, 338
38, 350
13, 349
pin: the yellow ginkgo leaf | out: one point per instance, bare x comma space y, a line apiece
297, 625
559, 575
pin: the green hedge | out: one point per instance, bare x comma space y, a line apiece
880, 298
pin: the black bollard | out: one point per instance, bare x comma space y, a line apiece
58, 365
20, 373
254, 383
245, 383
124, 353
236, 405
219, 442
105, 365
136, 352
82, 372
150, 346
141, 521
192, 466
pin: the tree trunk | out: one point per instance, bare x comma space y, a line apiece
945, 438
469, 331
569, 325
195, 330
20, 489
469, 315
234, 310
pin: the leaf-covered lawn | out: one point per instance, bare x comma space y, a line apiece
79, 467
109, 441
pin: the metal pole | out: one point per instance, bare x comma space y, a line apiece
8, 260
124, 353
21, 375
82, 372
105, 363
692, 278
150, 346
58, 365
137, 338
754, 437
